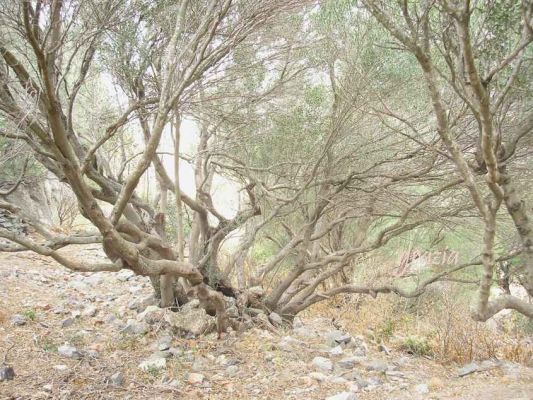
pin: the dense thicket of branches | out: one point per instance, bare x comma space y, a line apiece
345, 124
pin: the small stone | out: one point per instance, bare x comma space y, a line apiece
164, 343
422, 388
199, 364
92, 353
195, 379
384, 349
343, 396
135, 328
322, 363
90, 311
275, 319
175, 351
48, 387
376, 366
59, 310
337, 337
232, 370
18, 320
78, 285
318, 376
336, 351
287, 343
124, 275
60, 367
154, 362
93, 279
6, 373
68, 351
338, 380
117, 379
350, 362
67, 322
468, 369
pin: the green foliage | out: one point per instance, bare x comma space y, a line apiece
262, 251
417, 345
30, 314
386, 329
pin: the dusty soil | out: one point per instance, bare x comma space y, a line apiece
266, 368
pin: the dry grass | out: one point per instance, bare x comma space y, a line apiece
436, 325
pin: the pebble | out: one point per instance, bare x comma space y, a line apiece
422, 388
154, 362
117, 379
232, 370
134, 328
18, 320
322, 363
275, 319
90, 311
468, 369
68, 351
67, 322
6, 373
195, 378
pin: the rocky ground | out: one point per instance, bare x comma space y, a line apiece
68, 335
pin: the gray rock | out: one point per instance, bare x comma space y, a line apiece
18, 320
59, 310
336, 351
117, 379
199, 364
194, 322
343, 396
89, 311
164, 343
195, 379
422, 388
322, 363
125, 275
350, 362
275, 319
153, 363
175, 351
152, 315
146, 302
232, 370
288, 343
93, 279
384, 349
232, 312
163, 354
6, 373
78, 285
356, 377
468, 369
68, 351
135, 328
336, 337
376, 365
318, 376
92, 353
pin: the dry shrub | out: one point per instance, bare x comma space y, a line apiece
437, 324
